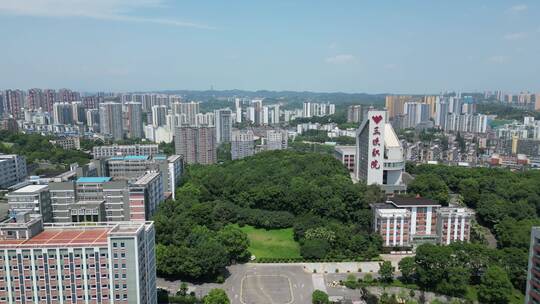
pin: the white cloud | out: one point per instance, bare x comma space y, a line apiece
498, 59
341, 59
116, 10
519, 8
515, 36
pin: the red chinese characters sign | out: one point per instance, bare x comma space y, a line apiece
376, 141
375, 155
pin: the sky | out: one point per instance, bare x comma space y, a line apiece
372, 46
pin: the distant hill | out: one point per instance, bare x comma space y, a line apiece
291, 96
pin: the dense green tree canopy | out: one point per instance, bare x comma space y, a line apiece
216, 296
37, 147
310, 192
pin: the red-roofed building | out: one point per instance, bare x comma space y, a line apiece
76, 263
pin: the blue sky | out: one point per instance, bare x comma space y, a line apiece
400, 46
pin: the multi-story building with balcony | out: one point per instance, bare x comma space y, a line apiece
454, 224
123, 150
393, 226
76, 263
409, 221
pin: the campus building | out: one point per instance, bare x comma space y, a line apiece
346, 155
453, 224
76, 263
379, 154
32, 198
532, 295
132, 167
123, 150
91, 196
12, 169
408, 221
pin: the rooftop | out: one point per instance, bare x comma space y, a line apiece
31, 188
136, 157
400, 201
99, 179
63, 237
346, 149
130, 157
390, 138
147, 178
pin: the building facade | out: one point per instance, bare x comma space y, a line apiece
407, 221
32, 198
379, 155
110, 120
77, 263
196, 144
532, 294
134, 120
346, 155
223, 125
276, 140
242, 144
124, 150
12, 170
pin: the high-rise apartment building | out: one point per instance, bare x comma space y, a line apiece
354, 114
395, 104
441, 114
238, 109
159, 116
77, 263
196, 144
92, 119
134, 120
14, 101
62, 113
187, 111
12, 170
276, 140
416, 113
110, 119
223, 123
242, 144
311, 109
79, 115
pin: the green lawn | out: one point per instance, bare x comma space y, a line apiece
276, 243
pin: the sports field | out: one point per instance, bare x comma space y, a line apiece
276, 243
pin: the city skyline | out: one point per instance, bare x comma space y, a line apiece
414, 47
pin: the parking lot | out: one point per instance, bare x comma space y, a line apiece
254, 283
266, 289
